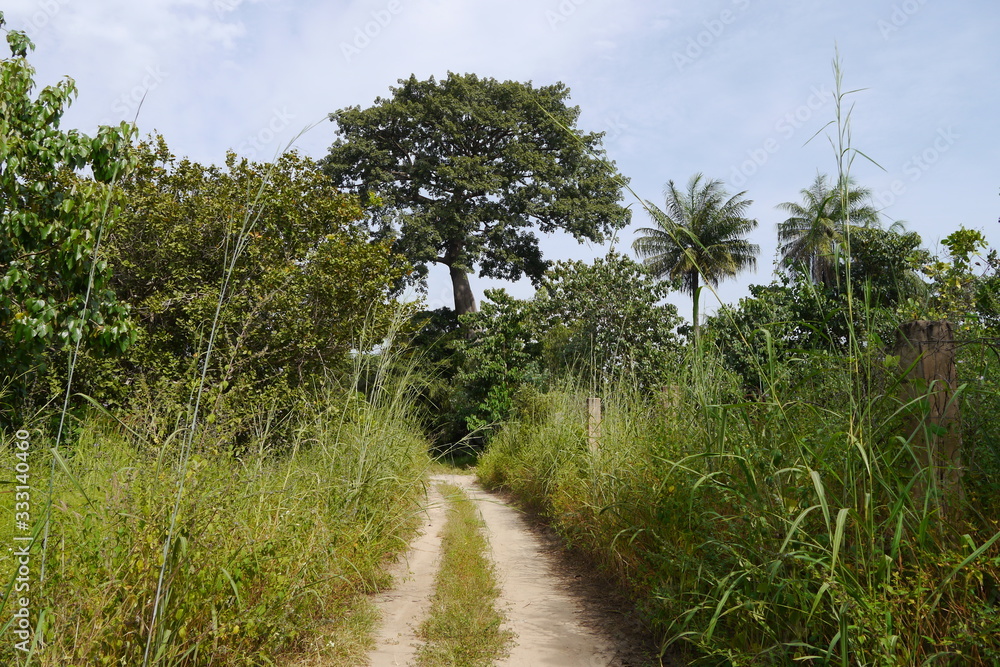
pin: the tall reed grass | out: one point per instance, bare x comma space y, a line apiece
770, 532
271, 550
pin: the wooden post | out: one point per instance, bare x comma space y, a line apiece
593, 423
670, 397
929, 347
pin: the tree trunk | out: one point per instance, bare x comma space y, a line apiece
465, 300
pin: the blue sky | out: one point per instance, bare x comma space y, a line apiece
730, 88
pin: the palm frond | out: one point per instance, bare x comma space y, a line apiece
699, 234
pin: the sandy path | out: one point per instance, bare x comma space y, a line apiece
541, 609
404, 607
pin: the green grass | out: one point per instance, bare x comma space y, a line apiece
272, 553
464, 625
774, 532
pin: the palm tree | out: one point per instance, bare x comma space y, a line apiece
815, 229
700, 236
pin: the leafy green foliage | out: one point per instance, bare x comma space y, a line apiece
980, 367
592, 323
55, 287
955, 290
502, 357
988, 294
770, 326
884, 261
605, 321
307, 289
464, 169
792, 316
438, 344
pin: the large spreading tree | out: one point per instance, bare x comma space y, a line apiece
463, 171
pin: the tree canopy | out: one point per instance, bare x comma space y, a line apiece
464, 171
606, 321
307, 286
54, 281
593, 323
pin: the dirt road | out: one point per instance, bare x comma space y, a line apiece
559, 618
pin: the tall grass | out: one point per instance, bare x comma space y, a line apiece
765, 532
271, 550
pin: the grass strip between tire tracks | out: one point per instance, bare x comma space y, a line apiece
464, 625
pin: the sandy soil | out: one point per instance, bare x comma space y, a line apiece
562, 613
404, 607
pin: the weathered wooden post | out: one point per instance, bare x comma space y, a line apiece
929, 347
593, 423
670, 397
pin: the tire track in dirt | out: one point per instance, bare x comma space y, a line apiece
542, 602
405, 606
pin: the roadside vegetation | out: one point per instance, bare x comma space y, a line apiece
772, 531
269, 550
464, 626
772, 501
